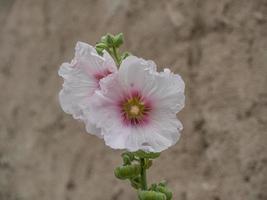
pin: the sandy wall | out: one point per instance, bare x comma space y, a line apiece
218, 47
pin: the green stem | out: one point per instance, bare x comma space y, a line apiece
115, 53
143, 174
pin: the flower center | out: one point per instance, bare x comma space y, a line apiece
135, 110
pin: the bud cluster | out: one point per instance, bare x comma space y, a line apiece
111, 43
134, 166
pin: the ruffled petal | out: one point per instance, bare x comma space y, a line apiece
77, 88
168, 91
92, 129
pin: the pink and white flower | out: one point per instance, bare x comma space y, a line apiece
81, 80
136, 107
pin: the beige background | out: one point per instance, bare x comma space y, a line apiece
220, 49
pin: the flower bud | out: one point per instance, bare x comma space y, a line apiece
128, 171
118, 40
165, 191
151, 195
100, 47
108, 39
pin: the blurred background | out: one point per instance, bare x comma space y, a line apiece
218, 47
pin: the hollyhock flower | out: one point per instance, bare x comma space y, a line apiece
81, 80
136, 107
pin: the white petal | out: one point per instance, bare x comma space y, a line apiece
158, 136
109, 62
83, 49
87, 59
134, 73
168, 92
92, 129
77, 88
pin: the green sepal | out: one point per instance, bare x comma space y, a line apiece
151, 195
143, 154
165, 190
127, 158
118, 40
163, 183
110, 40
100, 47
125, 55
135, 182
148, 164
129, 154
107, 39
153, 187
127, 171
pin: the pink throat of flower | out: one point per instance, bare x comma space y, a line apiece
98, 76
135, 109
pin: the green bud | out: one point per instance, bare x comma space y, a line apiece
151, 195
108, 39
128, 171
100, 47
165, 191
118, 40
143, 154
104, 39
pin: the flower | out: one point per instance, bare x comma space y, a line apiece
81, 80
136, 107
